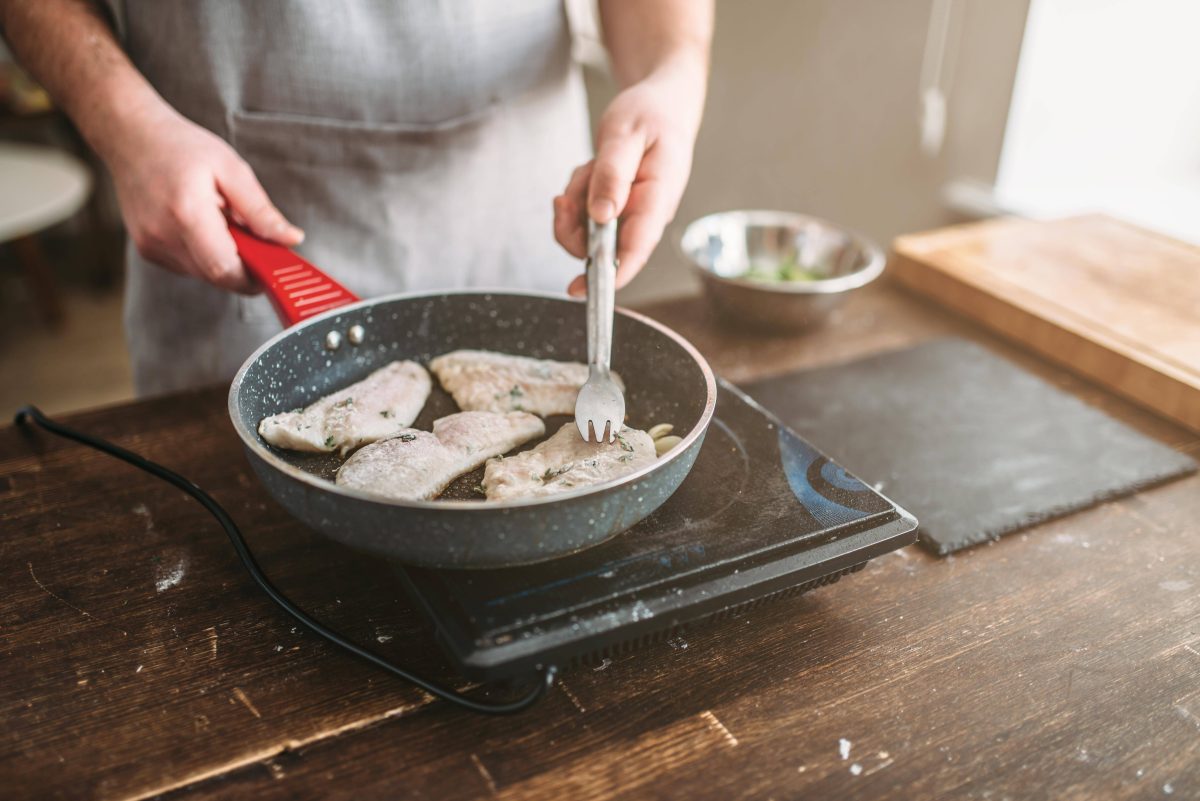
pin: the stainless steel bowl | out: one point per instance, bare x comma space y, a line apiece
723, 247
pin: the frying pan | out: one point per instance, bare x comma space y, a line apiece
331, 340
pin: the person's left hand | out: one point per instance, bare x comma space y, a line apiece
643, 158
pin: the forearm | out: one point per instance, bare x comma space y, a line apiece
667, 40
70, 50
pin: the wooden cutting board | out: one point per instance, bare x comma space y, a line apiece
1111, 301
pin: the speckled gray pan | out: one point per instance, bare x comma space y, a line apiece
667, 381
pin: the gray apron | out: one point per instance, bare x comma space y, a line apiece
417, 142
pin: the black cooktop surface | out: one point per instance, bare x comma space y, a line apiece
762, 512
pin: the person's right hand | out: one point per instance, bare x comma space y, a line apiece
176, 182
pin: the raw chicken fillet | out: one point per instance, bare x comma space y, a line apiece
418, 465
480, 380
381, 405
565, 462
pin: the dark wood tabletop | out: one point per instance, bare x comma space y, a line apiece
140, 660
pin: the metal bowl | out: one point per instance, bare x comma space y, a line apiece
723, 247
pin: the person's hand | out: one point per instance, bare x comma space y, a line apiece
176, 182
643, 158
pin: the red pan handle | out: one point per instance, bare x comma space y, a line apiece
297, 289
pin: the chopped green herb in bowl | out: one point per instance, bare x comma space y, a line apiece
783, 272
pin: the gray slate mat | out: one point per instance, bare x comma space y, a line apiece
970, 443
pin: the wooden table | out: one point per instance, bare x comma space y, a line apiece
139, 659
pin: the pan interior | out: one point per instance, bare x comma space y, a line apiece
664, 383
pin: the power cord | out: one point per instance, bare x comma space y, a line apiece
28, 416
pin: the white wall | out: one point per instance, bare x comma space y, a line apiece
1106, 113
813, 107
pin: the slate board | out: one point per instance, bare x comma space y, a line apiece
967, 441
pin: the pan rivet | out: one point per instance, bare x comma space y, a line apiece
356, 334
333, 340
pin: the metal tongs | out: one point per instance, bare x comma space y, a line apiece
600, 407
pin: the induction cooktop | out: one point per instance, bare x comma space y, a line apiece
763, 514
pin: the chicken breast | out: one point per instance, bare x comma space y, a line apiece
566, 462
481, 380
381, 405
418, 465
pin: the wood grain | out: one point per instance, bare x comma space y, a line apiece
139, 660
1104, 298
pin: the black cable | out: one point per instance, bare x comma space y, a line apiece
31, 413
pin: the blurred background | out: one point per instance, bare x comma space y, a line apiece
886, 117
